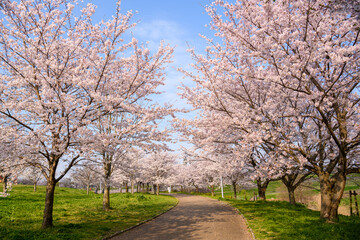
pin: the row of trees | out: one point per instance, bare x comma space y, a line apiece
276, 94
278, 90
136, 170
72, 89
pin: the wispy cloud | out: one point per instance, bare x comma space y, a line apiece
172, 33
176, 36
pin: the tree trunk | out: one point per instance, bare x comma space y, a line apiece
289, 182
106, 197
291, 192
132, 186
107, 175
234, 187
147, 187
126, 187
5, 184
49, 202
212, 190
35, 186
262, 188
154, 189
332, 189
87, 189
157, 189
292, 181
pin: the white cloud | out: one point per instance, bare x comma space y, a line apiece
176, 36
172, 33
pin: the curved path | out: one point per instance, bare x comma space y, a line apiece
194, 217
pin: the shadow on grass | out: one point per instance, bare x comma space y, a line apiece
280, 220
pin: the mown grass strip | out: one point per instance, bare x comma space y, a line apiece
76, 215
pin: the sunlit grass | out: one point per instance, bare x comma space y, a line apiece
271, 192
280, 220
76, 215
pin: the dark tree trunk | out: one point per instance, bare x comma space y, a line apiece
35, 186
234, 187
107, 175
147, 187
332, 189
5, 183
212, 187
49, 202
154, 189
262, 186
126, 187
291, 184
291, 192
106, 197
53, 161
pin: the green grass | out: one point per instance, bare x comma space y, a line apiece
76, 215
271, 192
280, 220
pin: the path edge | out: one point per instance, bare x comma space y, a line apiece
238, 211
140, 223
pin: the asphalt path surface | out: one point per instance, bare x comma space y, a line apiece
194, 217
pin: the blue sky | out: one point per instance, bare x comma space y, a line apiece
178, 23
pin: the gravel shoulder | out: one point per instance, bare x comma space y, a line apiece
194, 217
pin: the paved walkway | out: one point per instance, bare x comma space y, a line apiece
194, 217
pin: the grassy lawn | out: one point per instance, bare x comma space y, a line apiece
271, 192
76, 215
280, 220
276, 190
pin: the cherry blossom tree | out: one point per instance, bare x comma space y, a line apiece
216, 139
34, 175
348, 6
160, 167
135, 127
285, 73
61, 72
12, 155
235, 171
85, 175
129, 168
183, 176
